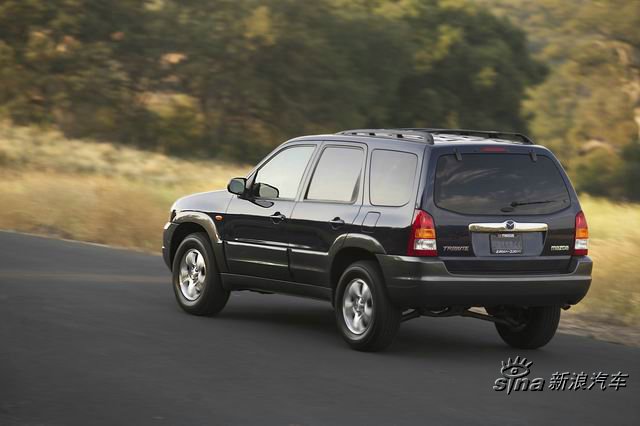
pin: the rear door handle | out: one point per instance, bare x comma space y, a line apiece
277, 217
336, 222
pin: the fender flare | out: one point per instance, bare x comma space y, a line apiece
365, 242
359, 241
205, 221
351, 241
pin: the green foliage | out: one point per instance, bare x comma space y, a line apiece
597, 172
629, 173
592, 94
72, 64
233, 78
469, 70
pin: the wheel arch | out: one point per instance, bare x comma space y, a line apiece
190, 222
356, 247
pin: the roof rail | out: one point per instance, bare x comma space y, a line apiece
482, 133
406, 134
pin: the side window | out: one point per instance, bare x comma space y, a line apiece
280, 176
337, 175
391, 177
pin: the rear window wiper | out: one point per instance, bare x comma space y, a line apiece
526, 203
515, 204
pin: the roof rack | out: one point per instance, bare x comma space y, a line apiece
482, 133
425, 134
406, 134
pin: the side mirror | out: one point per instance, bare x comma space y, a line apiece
264, 190
237, 186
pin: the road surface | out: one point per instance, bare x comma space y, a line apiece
92, 335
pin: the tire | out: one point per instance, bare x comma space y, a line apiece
379, 319
199, 292
540, 325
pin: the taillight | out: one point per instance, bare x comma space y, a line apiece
422, 240
581, 245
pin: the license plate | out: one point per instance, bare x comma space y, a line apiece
506, 243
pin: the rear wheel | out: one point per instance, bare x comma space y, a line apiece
538, 326
365, 316
196, 282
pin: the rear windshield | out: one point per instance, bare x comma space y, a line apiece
499, 184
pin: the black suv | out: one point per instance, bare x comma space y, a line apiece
389, 225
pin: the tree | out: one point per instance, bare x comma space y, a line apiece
469, 70
592, 94
76, 64
235, 77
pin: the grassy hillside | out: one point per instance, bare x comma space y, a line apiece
93, 191
615, 244
108, 194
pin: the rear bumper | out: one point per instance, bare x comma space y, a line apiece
414, 282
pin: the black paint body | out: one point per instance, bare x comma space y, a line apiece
299, 246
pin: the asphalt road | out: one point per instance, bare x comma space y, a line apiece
92, 335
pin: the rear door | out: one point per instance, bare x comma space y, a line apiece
501, 210
327, 209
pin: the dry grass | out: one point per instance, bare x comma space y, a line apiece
28, 149
90, 208
121, 196
614, 230
92, 191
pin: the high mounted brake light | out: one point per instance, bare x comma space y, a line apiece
493, 149
422, 240
581, 244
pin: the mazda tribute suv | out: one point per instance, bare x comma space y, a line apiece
389, 225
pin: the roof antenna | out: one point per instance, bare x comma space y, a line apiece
458, 155
533, 155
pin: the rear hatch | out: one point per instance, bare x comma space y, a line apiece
501, 210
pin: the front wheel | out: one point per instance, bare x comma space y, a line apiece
196, 282
365, 316
538, 326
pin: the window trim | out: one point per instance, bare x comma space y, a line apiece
416, 172
252, 176
559, 169
345, 145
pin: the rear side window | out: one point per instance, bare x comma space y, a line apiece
499, 184
337, 175
392, 175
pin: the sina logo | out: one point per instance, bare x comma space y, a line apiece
514, 377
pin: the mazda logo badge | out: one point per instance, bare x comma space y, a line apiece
510, 224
